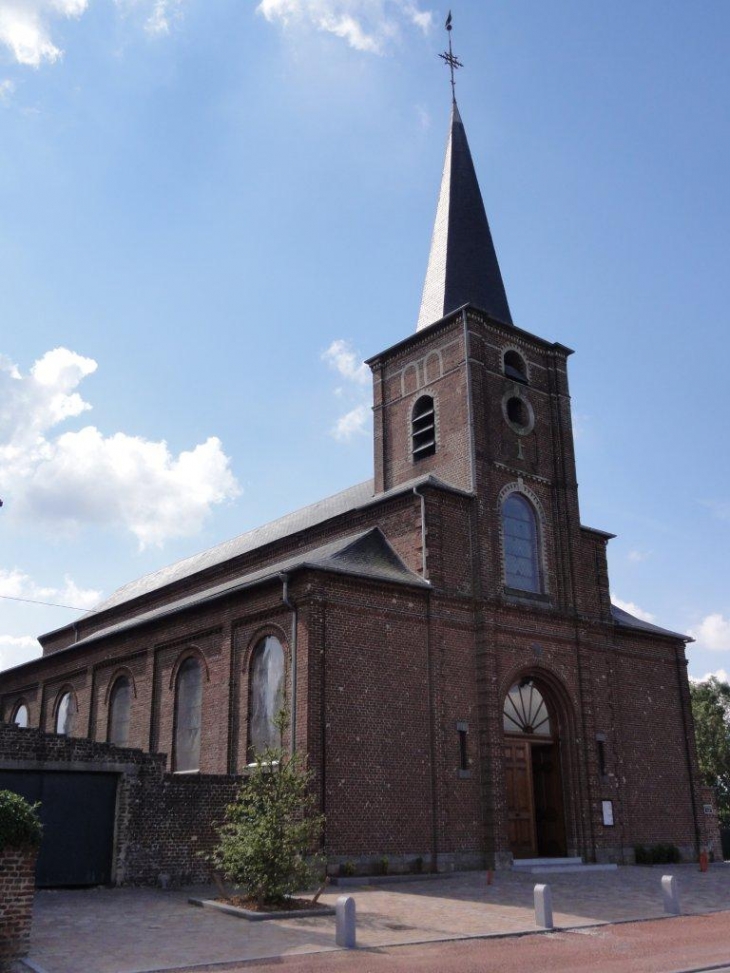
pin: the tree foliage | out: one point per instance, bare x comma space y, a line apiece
711, 711
270, 837
19, 824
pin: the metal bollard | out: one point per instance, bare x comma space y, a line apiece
543, 906
670, 895
345, 920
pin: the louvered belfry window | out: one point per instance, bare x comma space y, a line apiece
424, 428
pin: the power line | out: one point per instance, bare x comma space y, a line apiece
48, 604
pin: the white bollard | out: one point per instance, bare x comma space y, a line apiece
543, 906
670, 895
345, 919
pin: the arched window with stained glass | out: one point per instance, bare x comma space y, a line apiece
188, 714
266, 695
65, 714
521, 538
120, 710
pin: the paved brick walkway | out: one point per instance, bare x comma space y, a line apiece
133, 930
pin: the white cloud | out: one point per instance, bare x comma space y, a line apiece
84, 477
342, 358
7, 88
637, 556
16, 649
159, 15
352, 424
719, 508
632, 609
15, 583
25, 27
719, 674
366, 25
713, 633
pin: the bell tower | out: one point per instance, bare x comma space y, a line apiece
483, 405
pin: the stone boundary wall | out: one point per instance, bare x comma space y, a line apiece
165, 823
17, 887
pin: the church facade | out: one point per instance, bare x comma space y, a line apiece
443, 635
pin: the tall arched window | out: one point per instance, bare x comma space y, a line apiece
65, 714
521, 544
188, 708
120, 706
514, 366
266, 695
20, 716
423, 428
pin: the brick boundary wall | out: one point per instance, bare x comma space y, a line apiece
17, 887
165, 823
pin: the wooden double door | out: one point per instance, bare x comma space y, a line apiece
536, 819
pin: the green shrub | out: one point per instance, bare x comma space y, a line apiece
347, 869
19, 824
660, 854
272, 830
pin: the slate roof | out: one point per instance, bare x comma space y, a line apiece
626, 620
462, 264
365, 555
346, 501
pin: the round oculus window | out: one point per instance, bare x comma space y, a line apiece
518, 413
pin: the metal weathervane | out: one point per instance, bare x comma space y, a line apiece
448, 57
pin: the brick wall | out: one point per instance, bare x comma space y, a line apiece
165, 823
17, 887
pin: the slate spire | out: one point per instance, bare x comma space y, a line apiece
462, 265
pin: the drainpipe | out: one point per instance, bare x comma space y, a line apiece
293, 642
424, 570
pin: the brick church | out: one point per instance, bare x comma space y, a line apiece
442, 634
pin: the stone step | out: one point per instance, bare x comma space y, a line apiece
547, 866
528, 863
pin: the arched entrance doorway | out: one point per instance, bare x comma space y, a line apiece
536, 818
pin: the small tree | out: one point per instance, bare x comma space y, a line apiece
711, 711
269, 840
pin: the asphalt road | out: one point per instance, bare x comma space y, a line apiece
687, 943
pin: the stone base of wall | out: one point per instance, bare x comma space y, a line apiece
17, 887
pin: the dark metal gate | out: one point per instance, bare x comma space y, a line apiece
77, 810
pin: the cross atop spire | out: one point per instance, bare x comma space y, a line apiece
448, 57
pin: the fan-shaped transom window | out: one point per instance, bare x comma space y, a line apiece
188, 710
120, 707
65, 714
423, 428
20, 716
521, 544
514, 366
525, 710
266, 695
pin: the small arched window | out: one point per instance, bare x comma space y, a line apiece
525, 710
21, 716
266, 695
423, 428
120, 706
521, 544
65, 714
515, 367
188, 711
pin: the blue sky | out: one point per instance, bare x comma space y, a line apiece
212, 211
